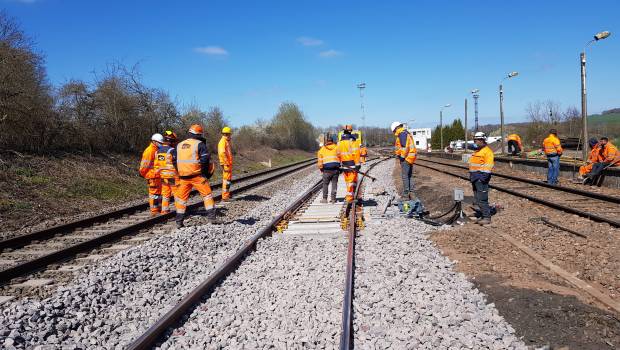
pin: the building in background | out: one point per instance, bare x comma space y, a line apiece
421, 137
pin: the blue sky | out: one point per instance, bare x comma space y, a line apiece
249, 56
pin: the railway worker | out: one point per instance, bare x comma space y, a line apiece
329, 165
515, 147
405, 150
349, 157
192, 162
363, 154
608, 156
592, 158
553, 151
164, 166
224, 152
147, 171
480, 167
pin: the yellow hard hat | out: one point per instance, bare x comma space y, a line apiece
226, 130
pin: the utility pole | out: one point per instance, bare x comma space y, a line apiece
441, 125
466, 125
501, 106
584, 102
361, 87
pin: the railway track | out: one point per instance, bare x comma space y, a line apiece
591, 205
304, 217
25, 254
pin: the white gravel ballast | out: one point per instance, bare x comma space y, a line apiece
111, 303
407, 294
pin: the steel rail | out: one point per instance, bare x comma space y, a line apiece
41, 262
550, 204
46, 233
346, 338
152, 335
600, 196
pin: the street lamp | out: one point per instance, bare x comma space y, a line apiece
441, 125
501, 106
362, 86
475, 94
584, 104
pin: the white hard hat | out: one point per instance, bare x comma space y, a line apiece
480, 135
395, 125
157, 138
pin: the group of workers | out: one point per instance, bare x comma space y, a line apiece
172, 169
345, 155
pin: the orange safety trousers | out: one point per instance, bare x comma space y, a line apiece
185, 186
350, 178
154, 186
168, 190
585, 169
226, 181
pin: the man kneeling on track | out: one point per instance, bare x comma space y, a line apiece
592, 158
607, 157
193, 164
329, 164
164, 166
480, 167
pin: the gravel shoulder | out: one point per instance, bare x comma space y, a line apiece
407, 295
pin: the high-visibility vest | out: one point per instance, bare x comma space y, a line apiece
609, 153
363, 153
551, 145
163, 162
327, 157
224, 152
147, 164
482, 160
407, 151
515, 137
348, 152
188, 159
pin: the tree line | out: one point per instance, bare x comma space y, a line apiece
116, 112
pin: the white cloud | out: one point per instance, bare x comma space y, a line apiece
212, 51
308, 41
330, 53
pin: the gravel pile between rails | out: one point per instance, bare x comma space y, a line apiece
111, 303
407, 294
286, 295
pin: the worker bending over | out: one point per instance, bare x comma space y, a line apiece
607, 157
480, 166
349, 156
164, 167
224, 152
515, 147
593, 158
193, 164
553, 151
147, 171
329, 165
406, 152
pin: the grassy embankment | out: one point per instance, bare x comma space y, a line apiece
40, 188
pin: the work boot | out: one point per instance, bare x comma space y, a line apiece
484, 221
212, 217
180, 224
324, 201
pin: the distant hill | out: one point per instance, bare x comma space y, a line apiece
610, 119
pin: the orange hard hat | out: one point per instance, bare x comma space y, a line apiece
196, 129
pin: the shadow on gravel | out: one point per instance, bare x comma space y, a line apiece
252, 198
368, 202
248, 221
545, 318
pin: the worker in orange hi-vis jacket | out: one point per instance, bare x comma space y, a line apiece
349, 156
192, 162
515, 147
593, 158
224, 151
607, 157
553, 150
164, 166
147, 171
